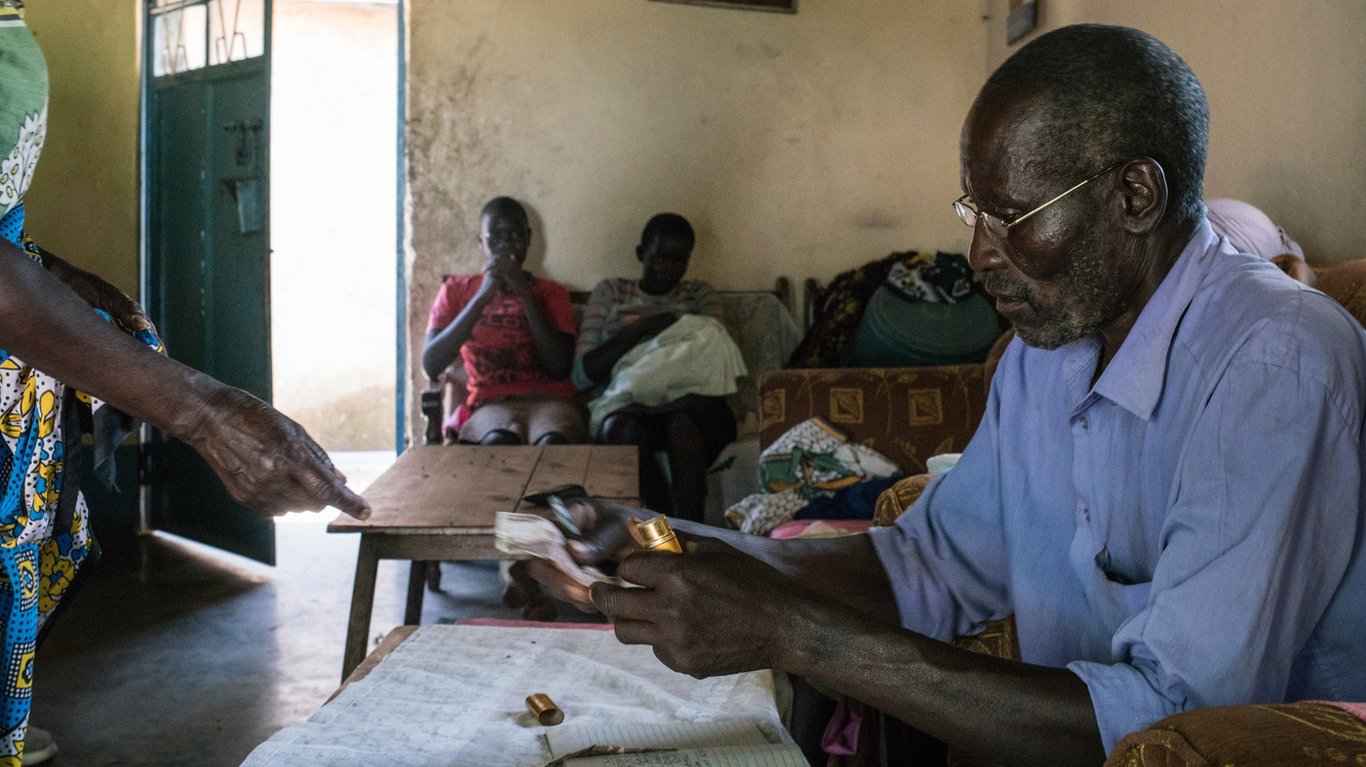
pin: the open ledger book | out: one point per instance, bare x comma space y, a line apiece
717, 743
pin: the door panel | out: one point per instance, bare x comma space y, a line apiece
208, 239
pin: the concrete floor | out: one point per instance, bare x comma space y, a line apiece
199, 656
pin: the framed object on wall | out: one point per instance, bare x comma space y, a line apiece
1024, 16
781, 6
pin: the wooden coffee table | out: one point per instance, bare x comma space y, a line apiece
438, 503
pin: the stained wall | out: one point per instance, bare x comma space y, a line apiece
797, 145
1286, 83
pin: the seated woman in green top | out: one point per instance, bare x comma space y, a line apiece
621, 313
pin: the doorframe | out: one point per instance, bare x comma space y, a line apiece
401, 376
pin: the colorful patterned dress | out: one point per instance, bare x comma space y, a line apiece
40, 550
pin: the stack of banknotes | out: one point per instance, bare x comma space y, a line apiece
529, 535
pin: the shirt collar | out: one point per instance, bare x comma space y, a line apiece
1134, 378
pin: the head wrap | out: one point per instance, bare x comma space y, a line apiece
1249, 229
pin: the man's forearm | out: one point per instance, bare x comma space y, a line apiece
1004, 711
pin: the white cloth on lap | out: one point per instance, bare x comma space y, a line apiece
695, 355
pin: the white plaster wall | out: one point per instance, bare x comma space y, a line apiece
1286, 83
798, 145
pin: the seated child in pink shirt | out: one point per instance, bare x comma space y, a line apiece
515, 333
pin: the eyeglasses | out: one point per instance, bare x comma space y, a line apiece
1000, 228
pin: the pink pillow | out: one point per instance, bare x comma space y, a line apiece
820, 528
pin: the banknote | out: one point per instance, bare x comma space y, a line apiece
528, 535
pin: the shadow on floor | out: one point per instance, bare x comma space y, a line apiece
198, 656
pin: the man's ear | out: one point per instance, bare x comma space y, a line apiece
1143, 188
640, 253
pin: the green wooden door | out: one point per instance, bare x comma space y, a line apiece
206, 179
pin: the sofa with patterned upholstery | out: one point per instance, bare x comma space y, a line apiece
907, 414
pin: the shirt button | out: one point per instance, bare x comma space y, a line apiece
1085, 424
1086, 513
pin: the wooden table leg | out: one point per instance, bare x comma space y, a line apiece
362, 604
417, 579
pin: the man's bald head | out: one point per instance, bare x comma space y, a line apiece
1111, 93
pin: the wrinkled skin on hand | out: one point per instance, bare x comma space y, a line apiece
710, 612
95, 291
267, 461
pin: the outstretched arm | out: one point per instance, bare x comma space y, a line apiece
846, 569
701, 614
266, 460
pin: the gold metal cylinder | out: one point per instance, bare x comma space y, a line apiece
544, 709
656, 535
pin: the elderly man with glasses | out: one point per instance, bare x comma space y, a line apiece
1166, 488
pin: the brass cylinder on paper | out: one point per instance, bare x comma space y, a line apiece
544, 709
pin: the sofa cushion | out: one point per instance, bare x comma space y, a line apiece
907, 414
1288, 734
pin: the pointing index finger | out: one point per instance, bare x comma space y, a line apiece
328, 489
351, 504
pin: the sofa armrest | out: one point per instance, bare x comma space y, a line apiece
431, 413
908, 414
1248, 736
1346, 284
894, 501
439, 401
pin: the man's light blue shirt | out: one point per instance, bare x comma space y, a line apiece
1188, 531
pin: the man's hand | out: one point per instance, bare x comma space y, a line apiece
710, 612
94, 290
267, 461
